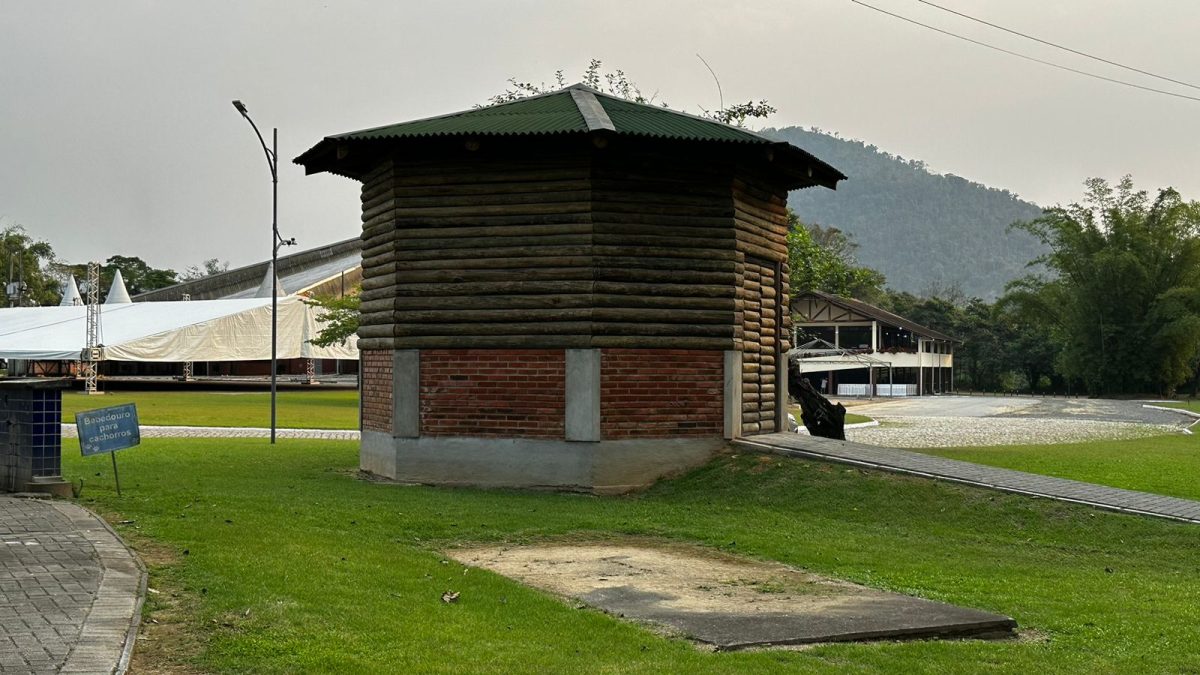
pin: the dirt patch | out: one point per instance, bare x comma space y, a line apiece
168, 639
694, 579
727, 601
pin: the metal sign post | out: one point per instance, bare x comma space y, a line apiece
108, 430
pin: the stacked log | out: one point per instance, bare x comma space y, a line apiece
572, 251
760, 217
595, 246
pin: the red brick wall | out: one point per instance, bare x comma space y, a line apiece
377, 390
516, 393
661, 393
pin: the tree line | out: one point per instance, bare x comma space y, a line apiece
1111, 308
32, 264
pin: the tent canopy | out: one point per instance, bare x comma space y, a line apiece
199, 330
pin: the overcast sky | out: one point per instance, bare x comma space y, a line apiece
117, 135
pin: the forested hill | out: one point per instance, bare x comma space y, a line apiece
922, 230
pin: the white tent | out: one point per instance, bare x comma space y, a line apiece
70, 295
117, 293
200, 330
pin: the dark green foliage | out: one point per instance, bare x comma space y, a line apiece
205, 269
917, 228
1124, 305
339, 320
822, 259
30, 260
139, 277
1002, 350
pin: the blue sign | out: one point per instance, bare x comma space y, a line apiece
108, 429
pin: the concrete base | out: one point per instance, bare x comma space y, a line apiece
603, 466
50, 485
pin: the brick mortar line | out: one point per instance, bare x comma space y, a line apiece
839, 459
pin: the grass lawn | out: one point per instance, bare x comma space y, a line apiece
1168, 464
277, 559
1194, 406
316, 409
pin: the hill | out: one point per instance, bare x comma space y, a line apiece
921, 229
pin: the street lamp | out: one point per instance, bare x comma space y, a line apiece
276, 242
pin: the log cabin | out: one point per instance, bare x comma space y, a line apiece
568, 291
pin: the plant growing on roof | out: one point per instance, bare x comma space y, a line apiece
617, 83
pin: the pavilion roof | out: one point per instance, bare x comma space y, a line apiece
577, 109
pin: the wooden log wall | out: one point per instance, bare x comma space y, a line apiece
619, 247
760, 216
467, 253
578, 250
665, 255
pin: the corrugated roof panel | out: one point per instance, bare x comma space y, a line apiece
559, 112
551, 114
646, 120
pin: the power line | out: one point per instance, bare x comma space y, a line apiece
1025, 56
1058, 46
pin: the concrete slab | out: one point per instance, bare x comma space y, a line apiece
729, 602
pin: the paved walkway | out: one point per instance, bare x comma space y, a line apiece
70, 591
1007, 480
70, 431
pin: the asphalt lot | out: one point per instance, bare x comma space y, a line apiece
1100, 410
952, 421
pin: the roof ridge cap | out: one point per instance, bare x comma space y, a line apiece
665, 108
594, 115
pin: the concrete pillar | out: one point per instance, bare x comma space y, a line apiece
583, 395
733, 394
406, 393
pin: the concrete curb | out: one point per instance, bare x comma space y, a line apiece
1187, 413
109, 632
895, 467
1181, 411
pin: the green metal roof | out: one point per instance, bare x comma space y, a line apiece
577, 109
639, 119
560, 112
551, 114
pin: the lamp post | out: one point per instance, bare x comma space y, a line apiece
276, 242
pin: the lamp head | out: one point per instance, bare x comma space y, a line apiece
241, 107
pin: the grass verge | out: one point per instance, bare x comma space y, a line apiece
288, 563
1166, 465
1193, 406
317, 409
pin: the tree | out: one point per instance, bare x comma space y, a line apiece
823, 259
1125, 304
339, 320
139, 277
205, 269
29, 262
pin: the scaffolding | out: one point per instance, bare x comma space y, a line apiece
90, 359
188, 366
